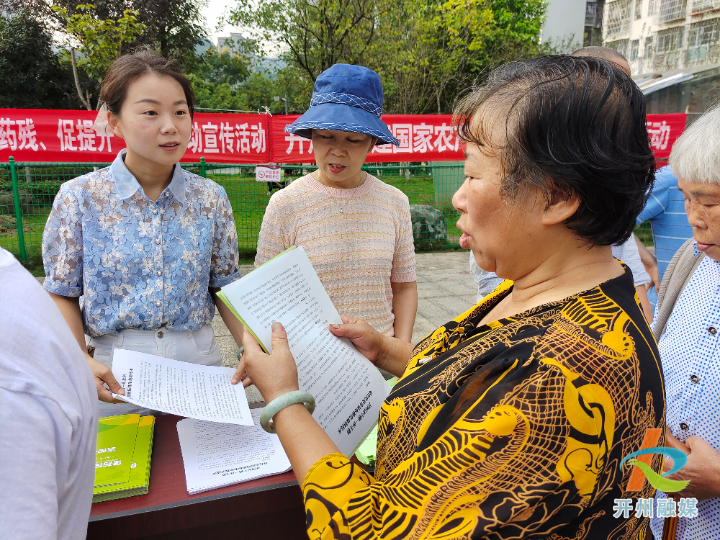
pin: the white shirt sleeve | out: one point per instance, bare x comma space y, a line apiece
34, 448
628, 253
487, 282
48, 416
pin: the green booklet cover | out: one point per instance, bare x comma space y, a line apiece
221, 295
114, 450
139, 479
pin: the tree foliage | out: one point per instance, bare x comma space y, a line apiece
316, 33
32, 75
101, 40
224, 80
427, 51
172, 27
456, 43
222, 67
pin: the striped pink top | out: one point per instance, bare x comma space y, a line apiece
358, 240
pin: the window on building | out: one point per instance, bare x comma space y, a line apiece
704, 33
638, 9
618, 17
634, 49
671, 10
651, 7
590, 13
620, 45
648, 47
669, 40
702, 5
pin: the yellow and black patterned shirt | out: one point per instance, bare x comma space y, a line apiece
514, 429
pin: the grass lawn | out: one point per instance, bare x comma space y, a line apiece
248, 198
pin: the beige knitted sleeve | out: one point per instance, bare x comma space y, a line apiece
272, 240
403, 268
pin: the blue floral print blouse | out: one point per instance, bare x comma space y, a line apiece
138, 263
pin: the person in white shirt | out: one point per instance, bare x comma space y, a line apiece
48, 415
686, 325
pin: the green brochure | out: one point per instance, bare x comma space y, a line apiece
347, 388
221, 295
114, 450
139, 480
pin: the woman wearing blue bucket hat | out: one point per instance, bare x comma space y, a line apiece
355, 229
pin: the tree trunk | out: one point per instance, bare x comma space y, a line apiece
84, 101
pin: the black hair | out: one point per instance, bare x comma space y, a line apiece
130, 67
574, 125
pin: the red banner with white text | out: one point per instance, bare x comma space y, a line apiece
422, 138
664, 130
39, 135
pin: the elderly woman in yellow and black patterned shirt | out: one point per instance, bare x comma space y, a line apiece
511, 420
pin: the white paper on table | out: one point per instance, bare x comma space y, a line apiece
181, 388
218, 455
348, 389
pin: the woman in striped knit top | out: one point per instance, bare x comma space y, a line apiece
355, 229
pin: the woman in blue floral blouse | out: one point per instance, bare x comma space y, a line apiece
135, 252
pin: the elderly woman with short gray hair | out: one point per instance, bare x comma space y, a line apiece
686, 327
510, 421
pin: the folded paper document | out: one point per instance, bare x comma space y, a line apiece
347, 388
218, 455
181, 388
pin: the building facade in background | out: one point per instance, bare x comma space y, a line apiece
593, 23
232, 44
673, 47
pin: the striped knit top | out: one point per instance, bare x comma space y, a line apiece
358, 240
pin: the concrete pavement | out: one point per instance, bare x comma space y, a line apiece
445, 290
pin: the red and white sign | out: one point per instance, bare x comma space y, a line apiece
33, 135
664, 130
40, 135
421, 137
265, 173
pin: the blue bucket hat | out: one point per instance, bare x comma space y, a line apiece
345, 98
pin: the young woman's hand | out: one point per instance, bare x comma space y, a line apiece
273, 374
241, 373
103, 375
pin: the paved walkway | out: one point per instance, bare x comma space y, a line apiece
445, 289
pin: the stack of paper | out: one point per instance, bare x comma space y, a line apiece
124, 448
347, 388
217, 455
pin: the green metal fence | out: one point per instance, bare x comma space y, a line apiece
27, 191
